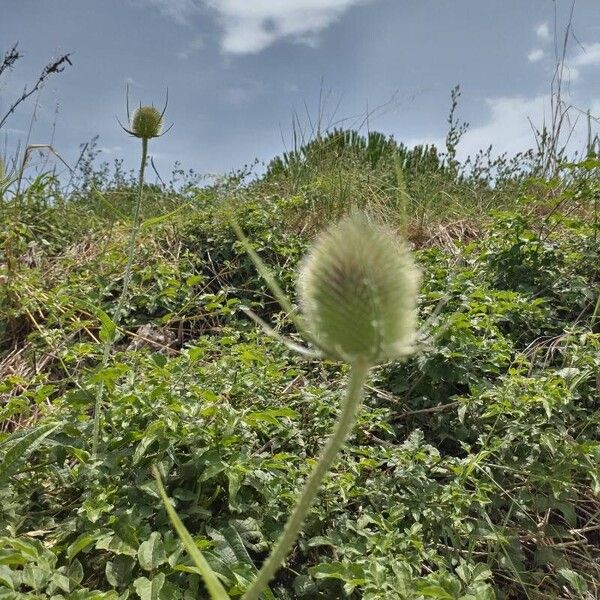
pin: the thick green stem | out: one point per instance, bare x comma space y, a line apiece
116, 316
343, 427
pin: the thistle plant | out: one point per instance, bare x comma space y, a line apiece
357, 288
145, 124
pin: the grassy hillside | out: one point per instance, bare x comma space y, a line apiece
473, 470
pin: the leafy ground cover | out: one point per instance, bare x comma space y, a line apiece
472, 473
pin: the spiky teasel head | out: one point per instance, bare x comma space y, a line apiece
146, 122
358, 289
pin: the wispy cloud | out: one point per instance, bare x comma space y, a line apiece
130, 81
181, 11
542, 31
193, 46
111, 150
13, 130
535, 55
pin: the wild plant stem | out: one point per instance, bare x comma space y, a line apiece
346, 420
116, 316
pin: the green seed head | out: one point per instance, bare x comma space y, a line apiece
2, 173
358, 290
146, 122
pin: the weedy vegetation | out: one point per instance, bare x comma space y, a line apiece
205, 395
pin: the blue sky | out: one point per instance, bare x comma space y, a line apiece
237, 70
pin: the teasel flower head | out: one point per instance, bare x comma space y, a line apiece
146, 122
358, 289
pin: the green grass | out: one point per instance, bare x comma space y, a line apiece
472, 473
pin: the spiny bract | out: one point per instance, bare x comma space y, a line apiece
358, 289
146, 122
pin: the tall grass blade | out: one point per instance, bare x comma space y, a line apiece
213, 585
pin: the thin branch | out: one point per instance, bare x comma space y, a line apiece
10, 58
56, 66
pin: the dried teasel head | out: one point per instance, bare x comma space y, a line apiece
358, 289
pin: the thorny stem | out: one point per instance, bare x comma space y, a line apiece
108, 345
346, 420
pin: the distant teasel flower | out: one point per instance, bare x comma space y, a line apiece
358, 289
146, 122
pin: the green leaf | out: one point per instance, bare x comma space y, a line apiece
151, 553
271, 415
60, 582
148, 589
75, 573
232, 551
108, 329
118, 571
213, 585
85, 540
435, 591
160, 219
575, 580
6, 577
21, 449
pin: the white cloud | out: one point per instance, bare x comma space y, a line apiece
508, 127
589, 56
543, 31
250, 26
535, 55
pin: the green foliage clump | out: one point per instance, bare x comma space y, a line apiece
472, 472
